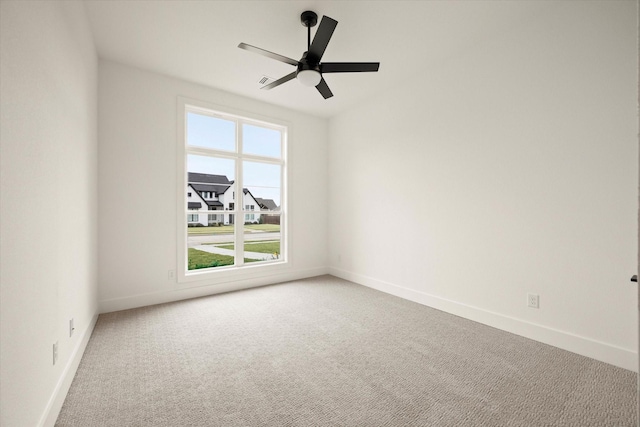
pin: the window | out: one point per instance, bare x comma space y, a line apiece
189, 194
193, 217
230, 153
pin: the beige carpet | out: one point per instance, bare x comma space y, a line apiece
326, 352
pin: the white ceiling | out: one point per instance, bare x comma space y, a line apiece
197, 41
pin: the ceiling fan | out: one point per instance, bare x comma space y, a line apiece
309, 69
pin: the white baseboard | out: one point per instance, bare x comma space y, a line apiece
52, 410
161, 297
584, 346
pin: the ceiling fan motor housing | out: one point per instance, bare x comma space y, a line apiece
308, 64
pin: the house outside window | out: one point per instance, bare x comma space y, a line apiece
224, 152
193, 217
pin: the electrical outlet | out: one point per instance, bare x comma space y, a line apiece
533, 300
55, 352
171, 274
71, 328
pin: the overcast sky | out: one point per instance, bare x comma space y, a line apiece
262, 179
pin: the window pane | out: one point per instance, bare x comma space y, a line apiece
208, 246
261, 187
262, 239
211, 132
216, 204
209, 185
261, 141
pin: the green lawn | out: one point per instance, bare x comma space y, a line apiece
271, 247
201, 259
223, 229
270, 228
228, 229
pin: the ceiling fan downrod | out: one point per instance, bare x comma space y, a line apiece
309, 19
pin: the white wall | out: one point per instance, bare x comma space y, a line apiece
524, 153
48, 170
137, 164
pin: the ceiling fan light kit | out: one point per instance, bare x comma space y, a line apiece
309, 69
309, 77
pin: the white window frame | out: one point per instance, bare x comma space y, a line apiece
189, 278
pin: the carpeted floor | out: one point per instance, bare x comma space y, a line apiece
327, 352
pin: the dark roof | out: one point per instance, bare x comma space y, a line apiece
213, 203
218, 189
267, 204
208, 179
246, 190
194, 205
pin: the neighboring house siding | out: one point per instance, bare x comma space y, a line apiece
228, 200
195, 217
218, 189
249, 200
214, 196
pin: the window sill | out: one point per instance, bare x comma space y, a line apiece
207, 277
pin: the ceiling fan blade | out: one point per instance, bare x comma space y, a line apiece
324, 89
321, 39
280, 81
348, 67
268, 54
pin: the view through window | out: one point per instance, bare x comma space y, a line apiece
235, 175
